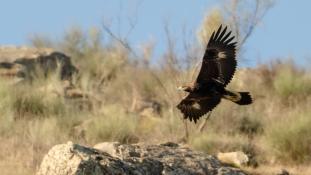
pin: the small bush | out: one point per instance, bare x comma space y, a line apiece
31, 105
291, 139
42, 131
113, 125
289, 82
250, 126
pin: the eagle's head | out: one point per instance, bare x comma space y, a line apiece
185, 88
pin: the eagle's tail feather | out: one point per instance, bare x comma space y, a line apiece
246, 98
241, 98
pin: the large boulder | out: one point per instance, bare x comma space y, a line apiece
28, 62
46, 64
138, 159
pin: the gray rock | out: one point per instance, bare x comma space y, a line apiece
137, 159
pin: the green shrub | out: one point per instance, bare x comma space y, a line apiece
28, 105
289, 82
291, 138
114, 125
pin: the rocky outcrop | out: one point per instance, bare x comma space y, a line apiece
26, 63
138, 159
29, 62
9, 53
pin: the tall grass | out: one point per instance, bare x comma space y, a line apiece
113, 125
290, 138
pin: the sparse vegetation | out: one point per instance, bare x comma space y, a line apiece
121, 86
37, 116
290, 138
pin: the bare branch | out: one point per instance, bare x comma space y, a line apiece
245, 16
119, 39
172, 60
127, 46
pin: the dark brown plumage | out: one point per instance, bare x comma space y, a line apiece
218, 67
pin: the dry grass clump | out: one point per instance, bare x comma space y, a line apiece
291, 83
113, 125
290, 138
213, 143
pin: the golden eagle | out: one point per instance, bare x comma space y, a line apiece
218, 66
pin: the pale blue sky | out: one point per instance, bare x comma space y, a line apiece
285, 30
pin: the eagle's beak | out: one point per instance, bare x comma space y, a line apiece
180, 88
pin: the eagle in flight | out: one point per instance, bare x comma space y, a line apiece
218, 66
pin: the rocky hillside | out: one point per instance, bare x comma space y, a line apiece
27, 62
137, 159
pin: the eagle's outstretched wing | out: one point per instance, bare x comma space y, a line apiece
219, 62
195, 106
